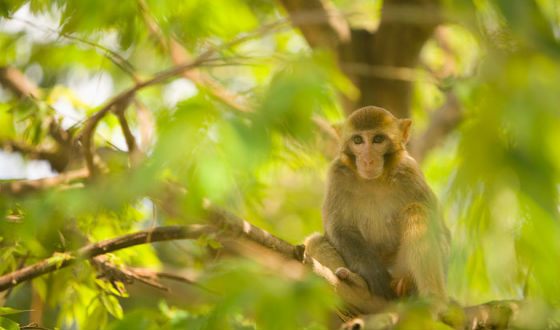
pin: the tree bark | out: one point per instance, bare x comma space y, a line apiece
405, 27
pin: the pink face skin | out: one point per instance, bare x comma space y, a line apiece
369, 147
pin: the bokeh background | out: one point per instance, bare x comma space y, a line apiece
252, 128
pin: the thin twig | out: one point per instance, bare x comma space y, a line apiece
113, 56
122, 99
148, 273
180, 55
22, 187
134, 154
64, 260
128, 136
113, 274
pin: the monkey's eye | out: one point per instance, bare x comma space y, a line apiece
357, 139
378, 138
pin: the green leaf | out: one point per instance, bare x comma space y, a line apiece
116, 288
144, 319
112, 305
7, 324
7, 130
9, 310
97, 317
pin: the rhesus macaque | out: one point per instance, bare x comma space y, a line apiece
380, 215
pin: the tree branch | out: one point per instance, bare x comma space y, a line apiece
18, 83
114, 274
64, 260
442, 122
240, 228
232, 226
134, 154
179, 55
58, 156
319, 22
20, 188
122, 99
498, 315
495, 315
118, 60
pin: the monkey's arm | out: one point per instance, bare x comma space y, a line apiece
350, 286
360, 258
422, 251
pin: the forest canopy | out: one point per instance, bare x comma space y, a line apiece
137, 136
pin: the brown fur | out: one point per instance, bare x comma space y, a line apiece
351, 287
380, 215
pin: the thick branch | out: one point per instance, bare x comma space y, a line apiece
241, 228
231, 226
319, 22
57, 158
496, 315
16, 82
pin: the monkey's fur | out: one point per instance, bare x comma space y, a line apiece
351, 287
381, 219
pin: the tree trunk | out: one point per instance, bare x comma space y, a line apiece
380, 63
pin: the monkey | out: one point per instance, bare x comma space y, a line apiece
379, 213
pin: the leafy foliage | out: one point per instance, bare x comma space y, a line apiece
497, 175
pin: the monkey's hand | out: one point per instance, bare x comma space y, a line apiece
350, 286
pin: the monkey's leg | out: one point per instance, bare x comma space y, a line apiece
351, 287
420, 253
360, 258
319, 248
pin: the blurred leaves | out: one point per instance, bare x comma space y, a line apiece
7, 324
507, 179
497, 176
8, 311
249, 290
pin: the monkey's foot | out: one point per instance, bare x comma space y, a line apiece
342, 273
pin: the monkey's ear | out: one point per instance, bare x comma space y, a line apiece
404, 125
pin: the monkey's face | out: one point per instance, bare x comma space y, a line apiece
371, 136
369, 148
